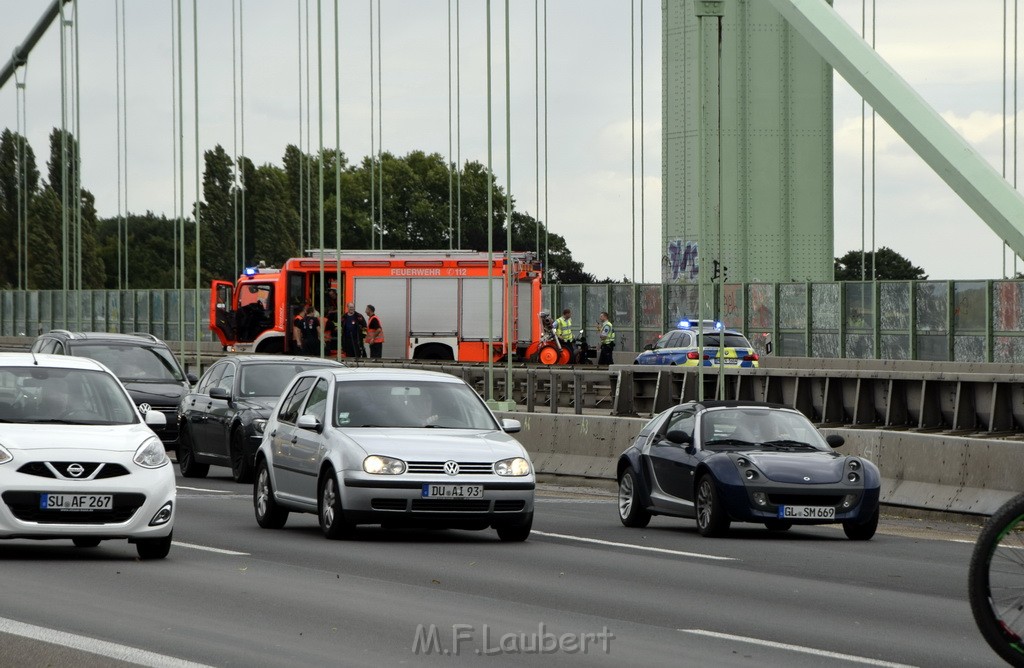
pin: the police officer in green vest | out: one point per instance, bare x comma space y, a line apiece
606, 330
563, 330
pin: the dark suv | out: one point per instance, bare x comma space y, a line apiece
144, 363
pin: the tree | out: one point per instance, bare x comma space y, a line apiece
12, 199
889, 266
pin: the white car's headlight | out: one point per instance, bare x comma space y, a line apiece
379, 465
259, 425
517, 466
151, 454
5, 456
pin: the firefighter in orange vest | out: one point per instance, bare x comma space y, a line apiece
374, 332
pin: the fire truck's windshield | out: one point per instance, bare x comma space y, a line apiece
134, 363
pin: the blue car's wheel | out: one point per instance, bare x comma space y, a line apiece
862, 531
711, 517
631, 513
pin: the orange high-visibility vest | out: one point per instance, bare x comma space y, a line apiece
370, 338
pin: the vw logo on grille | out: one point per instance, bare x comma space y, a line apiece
75, 470
144, 408
451, 468
807, 478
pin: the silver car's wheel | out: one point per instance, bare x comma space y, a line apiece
332, 516
269, 515
631, 512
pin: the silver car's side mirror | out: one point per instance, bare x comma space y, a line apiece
308, 422
155, 420
510, 426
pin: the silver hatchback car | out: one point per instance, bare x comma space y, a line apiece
394, 447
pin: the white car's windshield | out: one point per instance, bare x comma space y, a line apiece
764, 428
65, 396
386, 403
134, 363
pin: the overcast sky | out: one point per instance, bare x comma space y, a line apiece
950, 51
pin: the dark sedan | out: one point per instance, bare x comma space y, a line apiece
221, 421
739, 461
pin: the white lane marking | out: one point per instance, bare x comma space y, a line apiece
201, 489
797, 648
93, 646
645, 548
211, 549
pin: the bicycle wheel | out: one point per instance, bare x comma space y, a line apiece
995, 583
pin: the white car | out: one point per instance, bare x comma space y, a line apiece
77, 460
394, 447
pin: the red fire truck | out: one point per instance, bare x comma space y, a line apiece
433, 304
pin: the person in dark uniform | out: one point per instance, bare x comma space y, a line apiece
353, 329
307, 329
331, 324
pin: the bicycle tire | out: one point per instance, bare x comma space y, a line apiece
995, 581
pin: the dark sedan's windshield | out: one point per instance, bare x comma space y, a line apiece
269, 380
392, 403
764, 428
134, 363
62, 396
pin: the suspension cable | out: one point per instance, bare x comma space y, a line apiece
199, 164
234, 134
536, 123
547, 220
490, 220
64, 162
373, 145
632, 131
77, 147
863, 154
241, 118
302, 220
874, 174
509, 275
458, 120
1016, 4
309, 141
451, 198
22, 178
642, 202
124, 127
181, 173
380, 122
118, 100
320, 153
337, 167
1003, 114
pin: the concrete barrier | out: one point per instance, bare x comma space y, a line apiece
934, 472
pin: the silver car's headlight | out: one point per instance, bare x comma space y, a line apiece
259, 424
151, 454
379, 465
5, 456
516, 466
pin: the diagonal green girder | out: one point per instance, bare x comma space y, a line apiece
970, 176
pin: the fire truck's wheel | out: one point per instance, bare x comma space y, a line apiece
548, 355
563, 356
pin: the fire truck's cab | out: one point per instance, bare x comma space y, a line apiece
432, 304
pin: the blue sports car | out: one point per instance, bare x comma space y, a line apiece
742, 461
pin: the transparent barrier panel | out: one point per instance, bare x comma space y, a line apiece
622, 306
860, 307
1008, 349
860, 346
793, 306
595, 301
761, 309
894, 346
732, 316
1007, 306
894, 305
682, 301
932, 307
825, 307
933, 347
968, 348
969, 306
790, 344
825, 344
650, 312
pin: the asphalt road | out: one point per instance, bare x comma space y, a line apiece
232, 594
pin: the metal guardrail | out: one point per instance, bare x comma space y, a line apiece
962, 399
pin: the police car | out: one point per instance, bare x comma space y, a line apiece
679, 347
